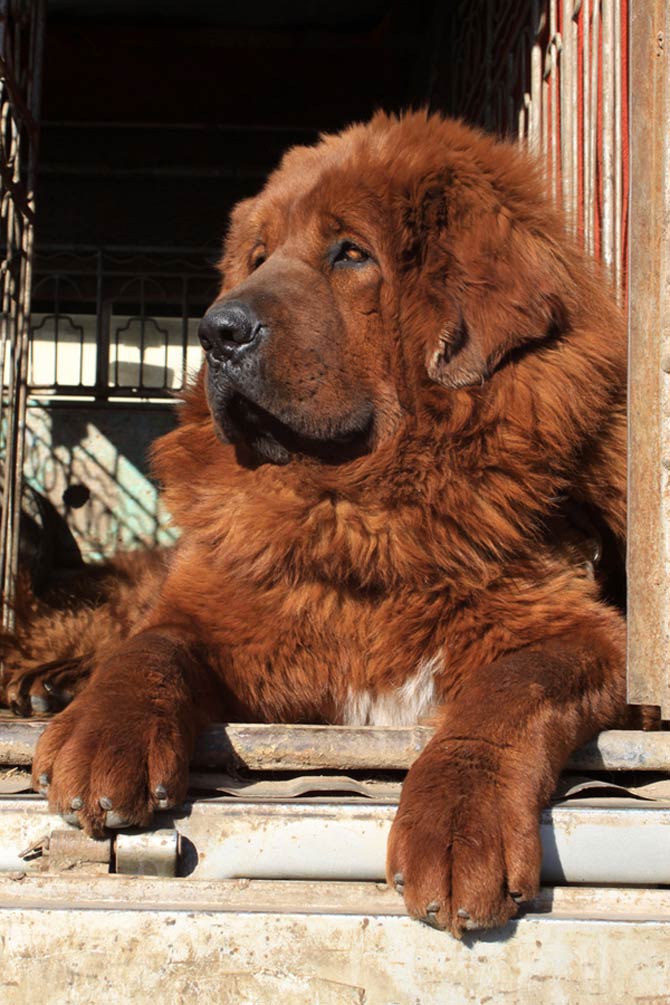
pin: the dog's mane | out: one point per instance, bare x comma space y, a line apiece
464, 488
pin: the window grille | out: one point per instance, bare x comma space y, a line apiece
110, 324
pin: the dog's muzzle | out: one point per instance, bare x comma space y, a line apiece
230, 331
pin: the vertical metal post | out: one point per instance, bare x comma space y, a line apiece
101, 331
535, 83
608, 57
618, 150
649, 370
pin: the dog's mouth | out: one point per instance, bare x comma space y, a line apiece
270, 439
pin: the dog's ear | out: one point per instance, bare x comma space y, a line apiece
496, 285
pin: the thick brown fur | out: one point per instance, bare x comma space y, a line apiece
66, 630
476, 362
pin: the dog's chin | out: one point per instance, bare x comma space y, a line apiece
261, 437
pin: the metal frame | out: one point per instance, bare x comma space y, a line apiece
559, 82
271, 748
21, 47
649, 362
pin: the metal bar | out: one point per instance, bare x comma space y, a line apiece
18, 101
574, 101
554, 52
341, 840
89, 392
140, 379
347, 841
593, 123
268, 896
649, 359
586, 126
101, 330
56, 324
134, 250
568, 110
617, 152
535, 109
23, 346
303, 748
184, 333
608, 56
205, 127
102, 171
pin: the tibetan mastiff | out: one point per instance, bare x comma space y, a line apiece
408, 371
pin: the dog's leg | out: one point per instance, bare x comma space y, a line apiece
121, 749
601, 482
464, 848
44, 687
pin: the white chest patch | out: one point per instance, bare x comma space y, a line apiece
403, 706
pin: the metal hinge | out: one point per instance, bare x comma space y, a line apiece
153, 853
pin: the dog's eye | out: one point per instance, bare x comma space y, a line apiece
257, 260
348, 253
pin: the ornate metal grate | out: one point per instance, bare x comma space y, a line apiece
110, 324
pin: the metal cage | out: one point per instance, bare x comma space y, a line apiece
554, 74
21, 45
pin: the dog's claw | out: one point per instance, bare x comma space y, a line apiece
77, 803
105, 802
114, 820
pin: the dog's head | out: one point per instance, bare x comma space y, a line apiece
380, 277
299, 344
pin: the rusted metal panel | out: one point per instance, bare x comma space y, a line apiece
649, 369
122, 939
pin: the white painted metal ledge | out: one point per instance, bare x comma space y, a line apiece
133, 940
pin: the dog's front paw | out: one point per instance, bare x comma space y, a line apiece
464, 848
44, 688
104, 764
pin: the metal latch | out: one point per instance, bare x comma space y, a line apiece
153, 853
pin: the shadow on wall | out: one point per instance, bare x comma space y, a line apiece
91, 463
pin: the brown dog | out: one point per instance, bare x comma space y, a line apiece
408, 366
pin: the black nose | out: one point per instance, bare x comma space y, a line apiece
228, 328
